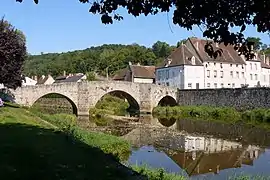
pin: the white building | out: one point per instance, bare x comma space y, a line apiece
190, 67
28, 82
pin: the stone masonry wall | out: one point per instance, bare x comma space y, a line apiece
240, 98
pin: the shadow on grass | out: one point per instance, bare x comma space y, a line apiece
30, 152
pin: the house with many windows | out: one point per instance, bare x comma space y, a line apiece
190, 67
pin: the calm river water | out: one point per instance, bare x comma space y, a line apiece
200, 149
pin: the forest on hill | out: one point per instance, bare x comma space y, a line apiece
96, 59
99, 59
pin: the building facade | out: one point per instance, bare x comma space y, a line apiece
190, 67
137, 74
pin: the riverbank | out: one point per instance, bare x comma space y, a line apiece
53, 147
224, 114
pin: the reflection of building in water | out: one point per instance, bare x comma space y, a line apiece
202, 155
208, 145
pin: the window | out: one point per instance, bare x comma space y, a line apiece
233, 85
214, 64
243, 75
215, 73
208, 85
231, 73
250, 66
167, 74
222, 85
215, 85
159, 75
221, 74
221, 65
256, 76
236, 65
264, 78
167, 83
242, 66
206, 65
237, 74
208, 73
255, 66
173, 74
193, 60
189, 85
251, 77
230, 65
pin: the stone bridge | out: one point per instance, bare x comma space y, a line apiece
84, 95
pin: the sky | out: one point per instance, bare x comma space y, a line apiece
66, 25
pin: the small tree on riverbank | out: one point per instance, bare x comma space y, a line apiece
12, 55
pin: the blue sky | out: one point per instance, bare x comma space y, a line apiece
66, 25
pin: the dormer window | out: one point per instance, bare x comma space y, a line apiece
169, 61
193, 60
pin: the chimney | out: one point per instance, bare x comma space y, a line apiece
64, 73
197, 45
217, 45
263, 57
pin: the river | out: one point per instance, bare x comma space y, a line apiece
200, 149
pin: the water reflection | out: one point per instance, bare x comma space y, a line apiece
167, 122
202, 149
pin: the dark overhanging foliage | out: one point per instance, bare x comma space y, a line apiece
12, 55
216, 16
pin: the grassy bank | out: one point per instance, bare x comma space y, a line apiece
226, 114
32, 148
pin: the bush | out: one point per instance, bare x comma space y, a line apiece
113, 104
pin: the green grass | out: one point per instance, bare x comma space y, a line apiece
157, 174
30, 148
113, 104
225, 114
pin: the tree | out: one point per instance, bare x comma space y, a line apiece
12, 55
161, 49
183, 41
215, 16
257, 42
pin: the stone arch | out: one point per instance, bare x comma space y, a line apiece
133, 101
167, 101
74, 106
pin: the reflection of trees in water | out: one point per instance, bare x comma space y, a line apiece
167, 122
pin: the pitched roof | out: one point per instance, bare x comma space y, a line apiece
229, 55
42, 79
182, 56
120, 75
74, 78
143, 71
263, 63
